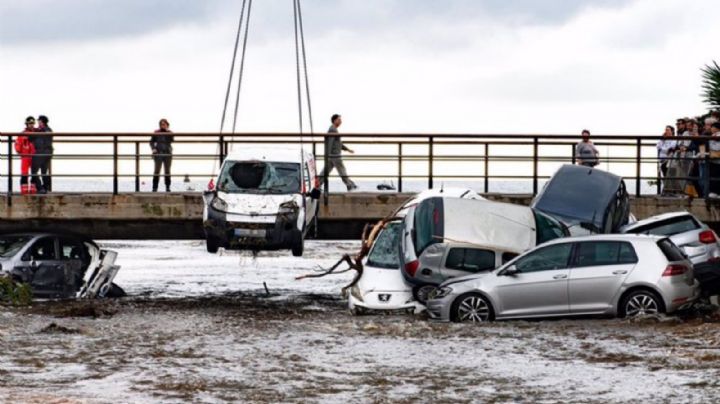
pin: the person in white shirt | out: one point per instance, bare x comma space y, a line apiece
666, 146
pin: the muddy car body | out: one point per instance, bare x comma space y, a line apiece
586, 199
444, 238
264, 199
381, 286
59, 265
592, 275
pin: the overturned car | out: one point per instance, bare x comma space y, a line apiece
59, 265
445, 238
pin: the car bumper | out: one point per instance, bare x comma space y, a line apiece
439, 309
680, 295
236, 234
386, 301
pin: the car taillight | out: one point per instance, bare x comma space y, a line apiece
674, 270
707, 237
412, 267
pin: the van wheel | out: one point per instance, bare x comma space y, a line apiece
471, 308
421, 293
638, 303
212, 244
298, 246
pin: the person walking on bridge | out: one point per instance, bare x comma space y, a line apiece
26, 149
43, 156
334, 148
161, 145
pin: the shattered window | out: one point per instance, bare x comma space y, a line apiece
9, 246
384, 252
260, 177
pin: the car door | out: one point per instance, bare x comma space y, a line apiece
597, 273
540, 287
47, 272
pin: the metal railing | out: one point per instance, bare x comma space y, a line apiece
410, 160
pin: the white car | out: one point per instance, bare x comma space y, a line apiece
381, 286
264, 199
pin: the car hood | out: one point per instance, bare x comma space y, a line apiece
255, 204
376, 279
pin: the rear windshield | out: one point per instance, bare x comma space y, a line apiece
670, 250
384, 253
9, 246
668, 227
428, 228
259, 177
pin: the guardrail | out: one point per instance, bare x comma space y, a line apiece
483, 160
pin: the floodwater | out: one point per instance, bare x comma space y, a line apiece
203, 328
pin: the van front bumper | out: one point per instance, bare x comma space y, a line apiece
280, 234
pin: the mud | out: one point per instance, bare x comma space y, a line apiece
284, 347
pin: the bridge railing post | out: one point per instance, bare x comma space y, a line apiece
400, 167
137, 166
10, 170
535, 165
638, 156
115, 165
487, 168
430, 162
221, 149
326, 171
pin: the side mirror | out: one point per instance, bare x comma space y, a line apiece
315, 193
510, 271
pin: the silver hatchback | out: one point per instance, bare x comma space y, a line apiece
623, 275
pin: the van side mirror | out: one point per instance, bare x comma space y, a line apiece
315, 193
510, 271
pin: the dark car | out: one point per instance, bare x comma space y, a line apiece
585, 199
59, 265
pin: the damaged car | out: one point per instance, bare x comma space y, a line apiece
585, 199
444, 238
381, 287
264, 199
59, 265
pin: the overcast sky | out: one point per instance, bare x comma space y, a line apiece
481, 66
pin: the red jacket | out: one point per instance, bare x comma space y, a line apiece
24, 146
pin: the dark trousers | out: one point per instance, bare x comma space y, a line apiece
714, 169
164, 161
41, 173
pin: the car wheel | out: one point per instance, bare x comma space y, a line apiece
421, 293
298, 246
638, 303
212, 244
472, 308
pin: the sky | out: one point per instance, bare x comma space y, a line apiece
388, 66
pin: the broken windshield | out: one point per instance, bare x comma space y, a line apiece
384, 253
259, 177
9, 246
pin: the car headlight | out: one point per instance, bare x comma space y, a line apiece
219, 204
355, 292
439, 293
288, 207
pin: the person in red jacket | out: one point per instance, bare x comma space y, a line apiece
26, 149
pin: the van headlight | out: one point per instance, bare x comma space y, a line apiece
219, 204
439, 293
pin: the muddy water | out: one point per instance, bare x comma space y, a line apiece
289, 347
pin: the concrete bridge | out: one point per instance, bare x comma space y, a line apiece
179, 215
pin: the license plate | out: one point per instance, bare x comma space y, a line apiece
250, 232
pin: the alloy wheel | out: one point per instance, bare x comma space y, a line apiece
641, 304
473, 309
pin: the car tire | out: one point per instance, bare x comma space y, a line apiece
115, 292
212, 244
640, 302
420, 293
298, 246
472, 307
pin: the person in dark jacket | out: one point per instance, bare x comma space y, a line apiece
161, 145
42, 158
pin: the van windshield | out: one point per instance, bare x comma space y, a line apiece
259, 177
10, 245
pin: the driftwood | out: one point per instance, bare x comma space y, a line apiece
354, 262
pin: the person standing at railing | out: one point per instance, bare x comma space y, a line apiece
714, 166
43, 156
665, 147
334, 148
586, 153
26, 149
161, 145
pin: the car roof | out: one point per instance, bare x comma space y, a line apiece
608, 237
284, 153
656, 218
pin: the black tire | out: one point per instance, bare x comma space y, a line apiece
640, 302
212, 244
472, 307
115, 292
420, 293
298, 246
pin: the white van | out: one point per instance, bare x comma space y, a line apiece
264, 199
